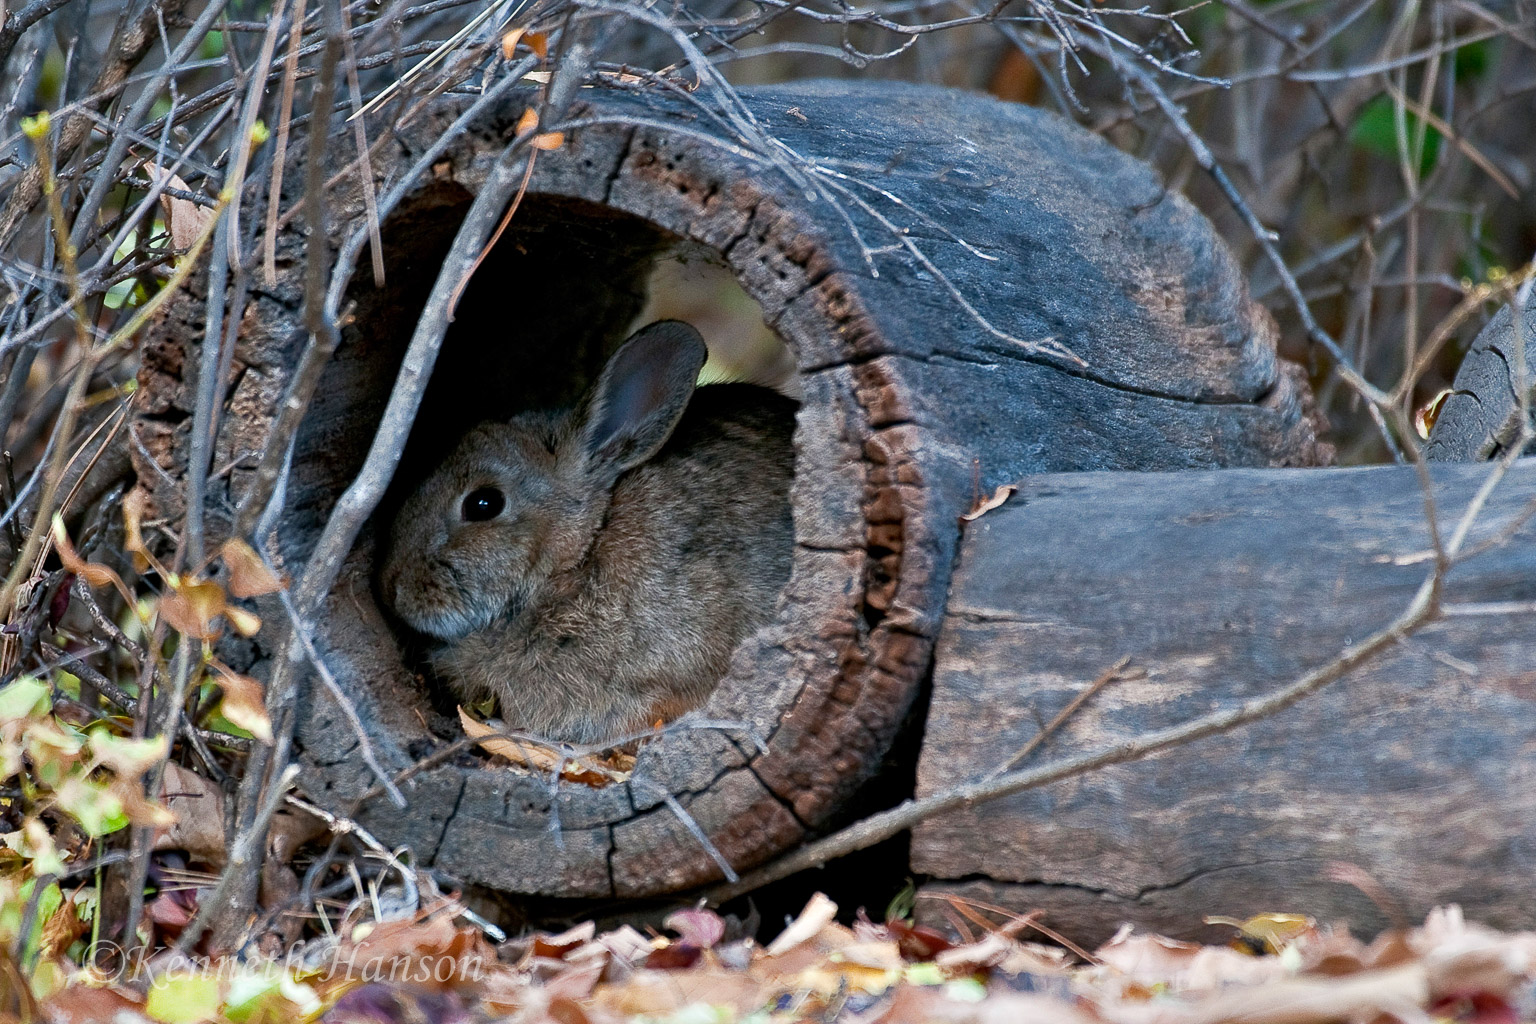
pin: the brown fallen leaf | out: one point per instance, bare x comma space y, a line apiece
198, 807
589, 770
184, 219
431, 951
662, 993
1147, 961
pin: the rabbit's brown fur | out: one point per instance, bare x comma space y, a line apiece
639, 544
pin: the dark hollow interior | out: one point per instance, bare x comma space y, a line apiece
550, 302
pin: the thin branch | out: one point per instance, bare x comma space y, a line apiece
893, 822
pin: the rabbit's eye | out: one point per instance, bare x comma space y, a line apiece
481, 504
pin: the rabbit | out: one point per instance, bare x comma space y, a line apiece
593, 568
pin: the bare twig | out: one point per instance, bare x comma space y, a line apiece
887, 824
1105, 678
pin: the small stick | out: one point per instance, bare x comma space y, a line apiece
1111, 673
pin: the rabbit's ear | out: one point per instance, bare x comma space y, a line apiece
640, 396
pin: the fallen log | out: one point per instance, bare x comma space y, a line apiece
971, 291
1220, 587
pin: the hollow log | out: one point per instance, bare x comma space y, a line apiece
1223, 586
915, 248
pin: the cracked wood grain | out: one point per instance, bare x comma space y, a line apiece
1481, 417
1223, 586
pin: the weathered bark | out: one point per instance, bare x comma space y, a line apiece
1223, 586
1481, 417
912, 406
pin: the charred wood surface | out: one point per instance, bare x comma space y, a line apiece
892, 209
1481, 417
1224, 586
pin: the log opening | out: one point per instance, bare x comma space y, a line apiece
553, 297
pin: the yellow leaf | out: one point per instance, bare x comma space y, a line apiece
184, 997
245, 623
1271, 932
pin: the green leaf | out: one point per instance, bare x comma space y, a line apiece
98, 810
1471, 61
25, 698
183, 997
124, 293
1375, 131
11, 911
924, 974
128, 757
902, 904
966, 990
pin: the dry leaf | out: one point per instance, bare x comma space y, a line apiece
1425, 415
818, 913
982, 508
587, 770
663, 993
538, 42
1005, 953
198, 808
528, 122
61, 928
86, 1004
185, 219
245, 623
94, 573
1269, 932
248, 574
1149, 961
509, 43
192, 606
134, 505
1283, 1000
244, 703
699, 927
432, 950
549, 141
